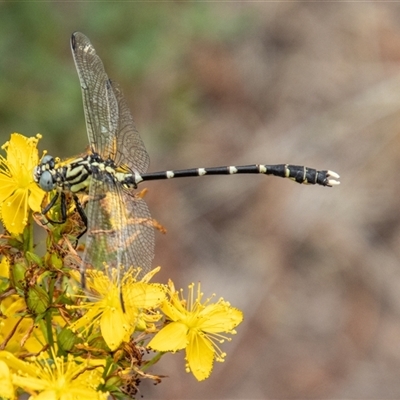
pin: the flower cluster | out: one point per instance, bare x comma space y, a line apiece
19, 193
60, 341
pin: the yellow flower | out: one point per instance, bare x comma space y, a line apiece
19, 332
19, 192
55, 379
196, 327
118, 315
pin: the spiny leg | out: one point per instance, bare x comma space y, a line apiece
64, 214
82, 214
62, 205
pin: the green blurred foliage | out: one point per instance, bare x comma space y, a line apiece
144, 47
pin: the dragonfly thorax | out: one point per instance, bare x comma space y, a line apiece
75, 175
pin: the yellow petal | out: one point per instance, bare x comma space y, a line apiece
199, 355
220, 318
150, 274
22, 153
86, 320
35, 197
82, 394
14, 212
171, 338
11, 305
4, 268
36, 340
144, 295
171, 311
14, 363
7, 185
6, 387
114, 326
29, 381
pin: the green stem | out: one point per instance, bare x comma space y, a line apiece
49, 329
28, 234
152, 361
49, 313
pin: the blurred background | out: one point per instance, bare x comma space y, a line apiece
316, 270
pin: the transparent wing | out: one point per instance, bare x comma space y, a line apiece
109, 123
99, 102
120, 229
129, 147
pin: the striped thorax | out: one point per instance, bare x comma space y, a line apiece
75, 175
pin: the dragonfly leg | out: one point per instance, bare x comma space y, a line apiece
51, 205
82, 214
63, 210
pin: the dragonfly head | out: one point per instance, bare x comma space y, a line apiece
42, 174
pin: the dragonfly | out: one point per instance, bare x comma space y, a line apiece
118, 225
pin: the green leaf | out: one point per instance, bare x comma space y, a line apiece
37, 300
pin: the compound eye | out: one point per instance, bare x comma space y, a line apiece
48, 160
46, 181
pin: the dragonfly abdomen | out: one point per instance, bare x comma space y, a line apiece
297, 173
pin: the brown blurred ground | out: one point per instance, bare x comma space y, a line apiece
316, 270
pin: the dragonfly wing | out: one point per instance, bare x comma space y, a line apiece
99, 102
120, 229
109, 123
137, 233
130, 150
